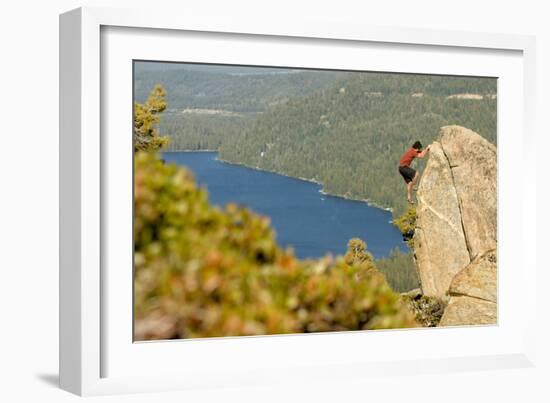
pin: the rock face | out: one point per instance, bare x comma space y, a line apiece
473, 162
473, 294
478, 279
456, 228
439, 241
464, 311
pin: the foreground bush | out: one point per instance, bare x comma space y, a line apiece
203, 272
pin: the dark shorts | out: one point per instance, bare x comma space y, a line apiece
407, 173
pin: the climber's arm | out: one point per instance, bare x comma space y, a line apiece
423, 153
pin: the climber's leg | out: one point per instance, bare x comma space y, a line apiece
410, 176
414, 180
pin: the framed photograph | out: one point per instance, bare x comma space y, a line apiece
247, 202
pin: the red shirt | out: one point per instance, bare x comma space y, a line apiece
408, 157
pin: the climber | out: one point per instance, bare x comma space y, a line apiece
409, 174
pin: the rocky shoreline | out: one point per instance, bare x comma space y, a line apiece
322, 190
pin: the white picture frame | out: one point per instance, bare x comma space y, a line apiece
96, 355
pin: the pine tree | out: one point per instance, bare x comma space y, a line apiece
146, 136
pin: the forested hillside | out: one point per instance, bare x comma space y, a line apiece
345, 130
350, 137
228, 89
201, 131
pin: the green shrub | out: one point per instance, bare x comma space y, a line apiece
406, 224
200, 271
427, 310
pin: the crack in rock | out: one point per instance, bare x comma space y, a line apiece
440, 216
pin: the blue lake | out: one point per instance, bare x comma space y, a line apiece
312, 223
